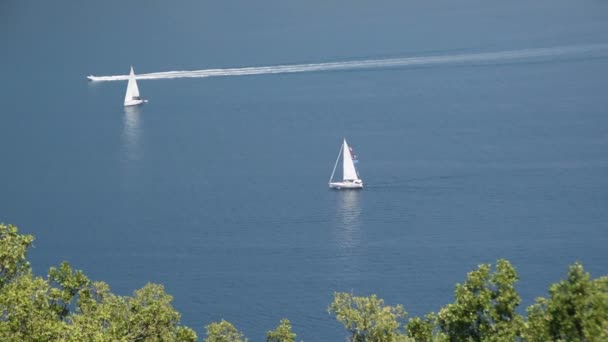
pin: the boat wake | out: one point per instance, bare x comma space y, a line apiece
500, 56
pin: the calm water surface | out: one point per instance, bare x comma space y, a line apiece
217, 187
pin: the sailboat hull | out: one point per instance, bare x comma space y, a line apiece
133, 102
346, 185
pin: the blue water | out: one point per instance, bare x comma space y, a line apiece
217, 188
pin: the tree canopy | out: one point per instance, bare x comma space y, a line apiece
282, 333
367, 318
484, 306
223, 332
68, 306
576, 310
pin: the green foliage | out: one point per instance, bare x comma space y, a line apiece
484, 309
70, 283
577, 310
537, 326
422, 330
185, 334
13, 248
68, 307
367, 318
147, 316
223, 332
100, 315
27, 314
282, 333
151, 316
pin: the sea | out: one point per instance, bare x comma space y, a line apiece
488, 139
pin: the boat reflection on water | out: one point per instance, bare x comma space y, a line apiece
348, 223
349, 252
132, 133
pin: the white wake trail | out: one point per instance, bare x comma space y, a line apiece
372, 63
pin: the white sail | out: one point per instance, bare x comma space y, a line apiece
350, 178
348, 167
132, 94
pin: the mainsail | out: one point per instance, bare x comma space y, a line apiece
348, 167
132, 89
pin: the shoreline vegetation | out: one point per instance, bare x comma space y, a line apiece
67, 306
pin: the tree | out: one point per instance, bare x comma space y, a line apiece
576, 310
69, 307
25, 309
100, 315
147, 316
70, 283
425, 330
223, 332
282, 333
367, 318
151, 315
13, 249
484, 309
26, 312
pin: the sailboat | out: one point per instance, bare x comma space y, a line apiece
132, 97
350, 177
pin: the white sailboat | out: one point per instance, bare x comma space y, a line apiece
350, 177
132, 97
